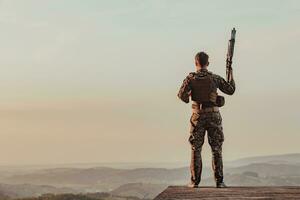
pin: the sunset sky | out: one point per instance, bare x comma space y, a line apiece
96, 81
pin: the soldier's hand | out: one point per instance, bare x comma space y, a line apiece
228, 62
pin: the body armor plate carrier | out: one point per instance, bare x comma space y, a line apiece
202, 89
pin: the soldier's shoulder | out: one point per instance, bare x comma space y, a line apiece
216, 76
191, 75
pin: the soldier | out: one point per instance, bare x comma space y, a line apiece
202, 86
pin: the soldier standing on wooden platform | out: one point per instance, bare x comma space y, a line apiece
202, 87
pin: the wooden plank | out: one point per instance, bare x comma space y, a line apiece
210, 193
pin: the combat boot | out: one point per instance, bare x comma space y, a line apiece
221, 185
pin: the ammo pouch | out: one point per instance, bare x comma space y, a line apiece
220, 101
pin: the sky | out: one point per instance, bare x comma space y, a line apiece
96, 81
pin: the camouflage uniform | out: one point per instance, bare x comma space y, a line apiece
206, 121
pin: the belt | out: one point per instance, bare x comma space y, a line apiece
205, 110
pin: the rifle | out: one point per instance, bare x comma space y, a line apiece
230, 55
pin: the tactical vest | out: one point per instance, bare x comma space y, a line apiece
202, 89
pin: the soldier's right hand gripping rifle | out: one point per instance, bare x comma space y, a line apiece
230, 51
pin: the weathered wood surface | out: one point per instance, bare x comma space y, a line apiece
210, 193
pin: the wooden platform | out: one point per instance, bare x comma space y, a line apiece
210, 193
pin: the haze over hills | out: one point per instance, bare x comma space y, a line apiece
273, 159
146, 182
100, 178
293, 158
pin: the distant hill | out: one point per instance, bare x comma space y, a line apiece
261, 174
88, 196
252, 179
101, 178
146, 182
4, 196
140, 190
293, 159
266, 169
65, 177
28, 190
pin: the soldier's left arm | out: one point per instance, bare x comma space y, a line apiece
224, 86
185, 89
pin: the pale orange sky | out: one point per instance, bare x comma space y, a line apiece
96, 81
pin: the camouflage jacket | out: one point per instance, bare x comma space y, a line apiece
219, 83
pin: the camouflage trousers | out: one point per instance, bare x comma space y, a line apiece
212, 123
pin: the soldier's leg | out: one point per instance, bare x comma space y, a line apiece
215, 139
196, 140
